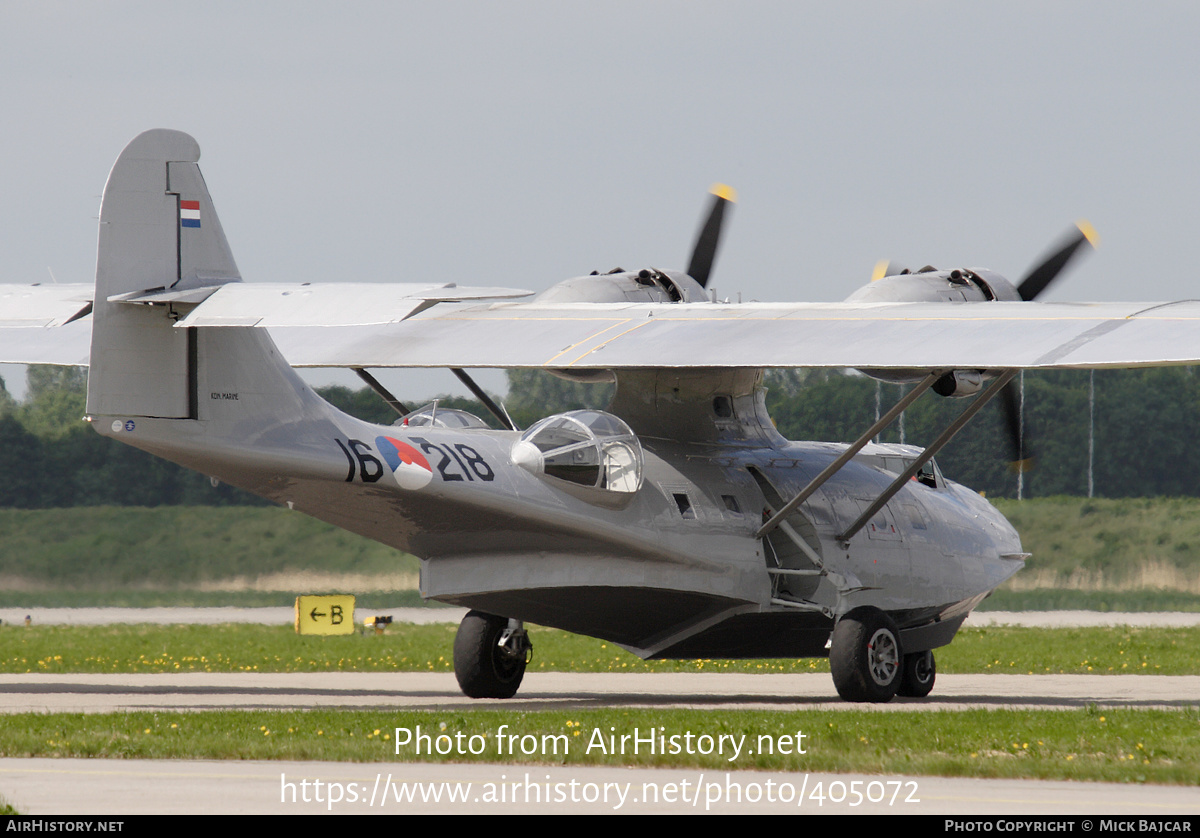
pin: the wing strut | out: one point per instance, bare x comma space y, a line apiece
492, 407
849, 453
381, 391
957, 425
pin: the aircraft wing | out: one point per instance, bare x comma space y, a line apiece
43, 305
45, 324
376, 325
49, 324
327, 304
986, 335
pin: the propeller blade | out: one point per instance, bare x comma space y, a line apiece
1022, 460
704, 253
1040, 277
1030, 288
886, 267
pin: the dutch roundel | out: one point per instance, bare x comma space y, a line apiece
408, 465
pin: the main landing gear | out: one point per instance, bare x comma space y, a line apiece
868, 663
490, 654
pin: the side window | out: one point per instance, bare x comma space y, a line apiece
684, 504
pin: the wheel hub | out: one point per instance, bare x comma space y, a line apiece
924, 668
883, 655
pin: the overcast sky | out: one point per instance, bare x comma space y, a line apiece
520, 143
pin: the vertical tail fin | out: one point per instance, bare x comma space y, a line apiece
158, 230
256, 424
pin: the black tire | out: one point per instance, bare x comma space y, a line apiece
920, 671
865, 656
482, 668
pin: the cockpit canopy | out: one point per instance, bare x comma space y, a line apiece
432, 416
586, 448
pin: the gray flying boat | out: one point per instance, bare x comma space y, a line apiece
677, 523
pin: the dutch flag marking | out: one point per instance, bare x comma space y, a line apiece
189, 213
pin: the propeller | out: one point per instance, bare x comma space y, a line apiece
704, 252
1034, 284
1039, 278
1030, 288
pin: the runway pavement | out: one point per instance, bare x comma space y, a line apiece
103, 693
565, 690
126, 787
66, 786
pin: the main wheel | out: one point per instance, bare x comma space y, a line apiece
483, 667
920, 670
865, 656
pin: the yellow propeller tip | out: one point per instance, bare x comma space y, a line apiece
725, 192
1021, 466
1089, 232
881, 269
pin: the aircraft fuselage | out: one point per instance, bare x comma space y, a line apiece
673, 569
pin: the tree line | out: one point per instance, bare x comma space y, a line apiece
1142, 426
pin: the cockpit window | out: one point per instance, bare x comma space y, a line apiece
929, 474
585, 447
440, 417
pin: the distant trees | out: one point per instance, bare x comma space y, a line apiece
1147, 423
535, 394
1146, 438
50, 458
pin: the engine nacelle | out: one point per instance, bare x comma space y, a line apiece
959, 383
955, 384
928, 285
933, 286
648, 285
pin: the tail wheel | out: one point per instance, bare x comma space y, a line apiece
920, 670
865, 656
490, 656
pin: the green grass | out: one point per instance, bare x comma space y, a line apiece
428, 648
123, 548
1115, 544
1122, 555
1109, 541
1098, 745
1060, 599
1133, 554
1148, 746
1041, 599
369, 601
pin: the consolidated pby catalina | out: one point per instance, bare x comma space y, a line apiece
678, 523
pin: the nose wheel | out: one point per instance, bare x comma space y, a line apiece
490, 654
